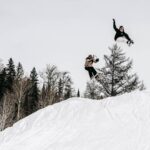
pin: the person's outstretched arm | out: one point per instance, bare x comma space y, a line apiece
127, 36
114, 25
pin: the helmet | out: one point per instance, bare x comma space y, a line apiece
90, 56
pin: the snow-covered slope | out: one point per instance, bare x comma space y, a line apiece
119, 123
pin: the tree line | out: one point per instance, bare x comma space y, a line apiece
21, 95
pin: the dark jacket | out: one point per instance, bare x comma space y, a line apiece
119, 33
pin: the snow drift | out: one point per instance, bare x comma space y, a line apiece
118, 123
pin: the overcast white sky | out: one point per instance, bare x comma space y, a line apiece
64, 32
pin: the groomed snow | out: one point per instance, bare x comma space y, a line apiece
118, 123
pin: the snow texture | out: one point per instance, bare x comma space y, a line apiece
118, 123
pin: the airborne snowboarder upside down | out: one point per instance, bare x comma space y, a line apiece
120, 33
89, 66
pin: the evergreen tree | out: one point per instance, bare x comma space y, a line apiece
116, 78
78, 93
32, 94
2, 83
142, 86
19, 71
10, 74
34, 91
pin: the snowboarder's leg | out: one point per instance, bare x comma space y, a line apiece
89, 71
90, 74
94, 72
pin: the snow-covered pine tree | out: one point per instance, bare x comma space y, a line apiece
93, 90
117, 78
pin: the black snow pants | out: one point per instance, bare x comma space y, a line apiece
91, 70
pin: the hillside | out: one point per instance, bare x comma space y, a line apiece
118, 123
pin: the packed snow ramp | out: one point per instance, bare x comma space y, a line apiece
118, 123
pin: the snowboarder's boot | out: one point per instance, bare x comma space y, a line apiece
97, 76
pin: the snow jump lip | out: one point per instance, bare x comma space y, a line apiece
119, 123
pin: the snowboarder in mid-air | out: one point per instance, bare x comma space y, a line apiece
89, 66
120, 33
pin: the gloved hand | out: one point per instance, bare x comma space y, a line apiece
97, 60
113, 20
